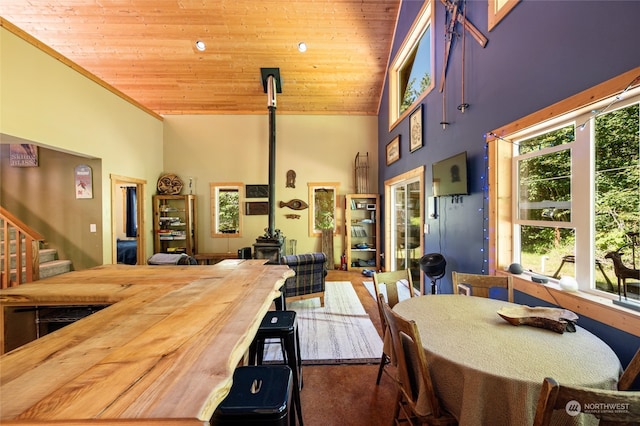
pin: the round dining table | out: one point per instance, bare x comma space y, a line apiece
489, 372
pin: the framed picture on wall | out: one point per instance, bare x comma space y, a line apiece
84, 181
393, 150
253, 208
415, 129
257, 191
23, 155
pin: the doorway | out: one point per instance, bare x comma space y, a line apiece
127, 220
404, 219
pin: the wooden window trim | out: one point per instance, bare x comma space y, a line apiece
500, 154
498, 10
424, 18
312, 186
213, 187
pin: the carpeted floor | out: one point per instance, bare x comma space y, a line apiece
340, 332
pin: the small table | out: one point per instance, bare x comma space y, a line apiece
487, 371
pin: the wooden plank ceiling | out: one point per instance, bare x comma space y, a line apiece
146, 50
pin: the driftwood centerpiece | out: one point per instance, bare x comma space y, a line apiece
554, 319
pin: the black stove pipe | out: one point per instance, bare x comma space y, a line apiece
271, 105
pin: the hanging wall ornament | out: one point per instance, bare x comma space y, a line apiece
455, 14
291, 179
169, 184
294, 204
463, 105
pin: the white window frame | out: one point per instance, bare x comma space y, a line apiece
582, 171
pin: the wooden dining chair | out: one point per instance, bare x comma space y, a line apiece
391, 280
416, 401
481, 284
630, 374
572, 400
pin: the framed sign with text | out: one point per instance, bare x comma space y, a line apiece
23, 155
84, 181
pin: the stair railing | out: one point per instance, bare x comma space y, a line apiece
31, 250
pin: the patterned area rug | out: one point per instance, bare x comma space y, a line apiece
340, 332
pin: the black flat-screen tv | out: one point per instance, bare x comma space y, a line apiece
450, 176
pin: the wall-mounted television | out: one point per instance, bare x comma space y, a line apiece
450, 176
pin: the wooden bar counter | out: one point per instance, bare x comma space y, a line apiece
163, 353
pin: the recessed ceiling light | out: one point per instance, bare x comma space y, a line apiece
201, 46
302, 47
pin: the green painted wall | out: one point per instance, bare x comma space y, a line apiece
44, 101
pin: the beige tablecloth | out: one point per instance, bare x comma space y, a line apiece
489, 372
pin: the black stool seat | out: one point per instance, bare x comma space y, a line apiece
278, 321
260, 395
281, 325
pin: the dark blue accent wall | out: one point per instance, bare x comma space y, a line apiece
541, 53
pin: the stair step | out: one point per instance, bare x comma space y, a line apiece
50, 265
12, 232
54, 267
46, 255
48, 269
12, 246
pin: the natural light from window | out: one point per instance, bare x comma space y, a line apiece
225, 206
411, 72
415, 74
577, 186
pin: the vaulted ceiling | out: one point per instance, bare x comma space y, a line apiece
146, 50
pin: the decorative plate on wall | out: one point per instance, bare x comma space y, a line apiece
169, 184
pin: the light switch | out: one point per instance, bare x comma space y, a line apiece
92, 227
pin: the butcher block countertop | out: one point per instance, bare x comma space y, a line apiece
163, 353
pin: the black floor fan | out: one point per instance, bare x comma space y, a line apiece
433, 265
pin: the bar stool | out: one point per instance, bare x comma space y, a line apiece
259, 395
281, 325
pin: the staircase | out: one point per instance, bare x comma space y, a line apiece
50, 265
36, 261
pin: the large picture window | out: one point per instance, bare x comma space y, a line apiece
616, 139
576, 193
544, 177
543, 219
411, 73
